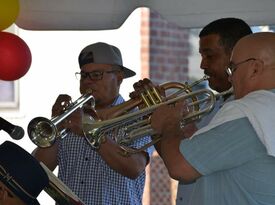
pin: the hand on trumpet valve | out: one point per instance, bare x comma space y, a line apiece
166, 119
72, 122
62, 102
148, 91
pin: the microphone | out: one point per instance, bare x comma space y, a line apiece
14, 131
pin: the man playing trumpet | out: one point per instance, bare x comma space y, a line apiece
216, 43
232, 158
100, 176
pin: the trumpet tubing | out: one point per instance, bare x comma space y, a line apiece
207, 99
43, 132
208, 103
95, 130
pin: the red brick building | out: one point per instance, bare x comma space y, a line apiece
164, 57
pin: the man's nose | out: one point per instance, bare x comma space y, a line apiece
203, 64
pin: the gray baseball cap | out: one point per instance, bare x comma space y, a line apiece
103, 53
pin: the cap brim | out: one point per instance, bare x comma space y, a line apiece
127, 72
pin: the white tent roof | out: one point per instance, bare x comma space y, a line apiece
111, 14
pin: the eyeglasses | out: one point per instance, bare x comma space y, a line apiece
232, 67
94, 75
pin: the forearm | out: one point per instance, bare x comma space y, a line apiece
175, 162
177, 166
130, 166
47, 155
180, 133
170, 155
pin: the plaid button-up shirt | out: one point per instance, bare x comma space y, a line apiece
82, 169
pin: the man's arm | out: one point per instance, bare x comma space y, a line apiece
172, 134
130, 166
47, 155
177, 166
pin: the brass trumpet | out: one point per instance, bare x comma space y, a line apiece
43, 132
140, 123
205, 97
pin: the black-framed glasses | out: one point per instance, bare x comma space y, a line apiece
233, 66
93, 75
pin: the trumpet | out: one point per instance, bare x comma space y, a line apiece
206, 99
44, 132
94, 131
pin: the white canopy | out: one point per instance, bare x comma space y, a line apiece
111, 14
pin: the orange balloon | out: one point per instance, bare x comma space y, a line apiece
9, 10
15, 58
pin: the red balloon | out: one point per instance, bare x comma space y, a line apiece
15, 57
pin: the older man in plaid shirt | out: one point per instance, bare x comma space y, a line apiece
98, 176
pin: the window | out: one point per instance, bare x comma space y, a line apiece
9, 94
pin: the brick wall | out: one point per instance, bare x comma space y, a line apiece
164, 57
165, 49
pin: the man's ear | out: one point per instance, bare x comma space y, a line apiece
257, 68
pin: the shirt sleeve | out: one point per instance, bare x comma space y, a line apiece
223, 147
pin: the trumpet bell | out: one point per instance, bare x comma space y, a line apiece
42, 132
